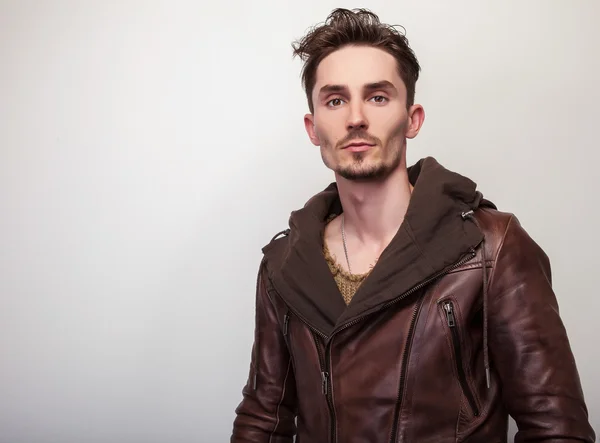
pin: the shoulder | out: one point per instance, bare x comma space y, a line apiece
275, 252
507, 242
494, 224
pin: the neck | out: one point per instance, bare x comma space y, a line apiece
374, 211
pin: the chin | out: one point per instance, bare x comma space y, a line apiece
364, 169
364, 172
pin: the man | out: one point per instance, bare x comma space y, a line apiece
400, 305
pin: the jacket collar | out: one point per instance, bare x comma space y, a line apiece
432, 237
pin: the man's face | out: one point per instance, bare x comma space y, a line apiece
360, 118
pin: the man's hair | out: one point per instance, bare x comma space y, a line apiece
359, 27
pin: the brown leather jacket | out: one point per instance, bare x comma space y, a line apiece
460, 289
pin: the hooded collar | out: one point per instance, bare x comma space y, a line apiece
432, 237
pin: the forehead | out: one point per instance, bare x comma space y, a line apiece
355, 66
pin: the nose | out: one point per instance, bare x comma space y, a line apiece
357, 118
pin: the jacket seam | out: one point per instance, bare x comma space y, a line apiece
280, 401
497, 255
333, 417
489, 263
272, 292
259, 284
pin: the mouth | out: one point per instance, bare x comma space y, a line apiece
358, 146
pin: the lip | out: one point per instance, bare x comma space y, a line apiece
358, 146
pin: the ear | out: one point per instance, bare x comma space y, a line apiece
416, 117
309, 124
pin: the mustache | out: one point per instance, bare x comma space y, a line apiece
359, 134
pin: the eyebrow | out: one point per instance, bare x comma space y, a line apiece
383, 84
331, 89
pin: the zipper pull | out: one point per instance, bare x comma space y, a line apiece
286, 320
450, 314
325, 384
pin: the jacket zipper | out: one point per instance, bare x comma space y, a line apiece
325, 374
404, 368
326, 387
451, 319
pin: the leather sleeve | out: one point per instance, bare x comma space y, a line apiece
267, 411
529, 346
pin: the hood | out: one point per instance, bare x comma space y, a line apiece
432, 237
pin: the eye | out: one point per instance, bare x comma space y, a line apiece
334, 103
379, 99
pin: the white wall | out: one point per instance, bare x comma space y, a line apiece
149, 149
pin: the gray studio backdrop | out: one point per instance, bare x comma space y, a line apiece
149, 149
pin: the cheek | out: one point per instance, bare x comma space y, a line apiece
323, 139
330, 127
326, 139
396, 129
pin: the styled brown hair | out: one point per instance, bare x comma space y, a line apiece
346, 27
